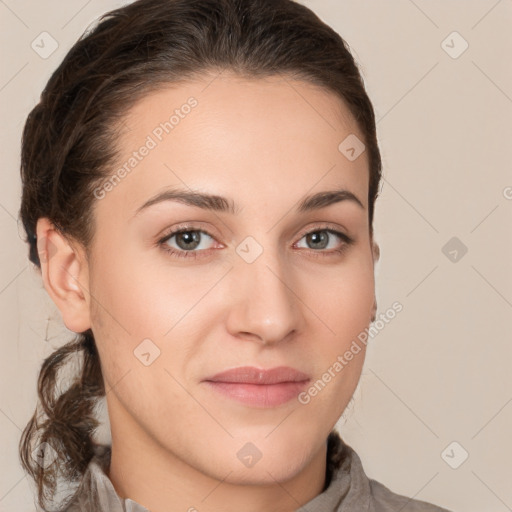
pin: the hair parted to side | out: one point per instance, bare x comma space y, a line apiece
69, 148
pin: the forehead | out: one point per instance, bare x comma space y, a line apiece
251, 139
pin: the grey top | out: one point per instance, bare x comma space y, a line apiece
347, 488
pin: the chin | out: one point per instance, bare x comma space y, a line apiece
265, 462
265, 473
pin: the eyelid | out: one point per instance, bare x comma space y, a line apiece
321, 226
184, 226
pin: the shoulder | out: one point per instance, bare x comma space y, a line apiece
363, 492
90, 493
384, 500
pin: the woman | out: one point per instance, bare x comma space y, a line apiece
199, 181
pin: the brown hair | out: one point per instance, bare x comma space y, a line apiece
68, 148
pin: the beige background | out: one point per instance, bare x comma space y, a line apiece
440, 371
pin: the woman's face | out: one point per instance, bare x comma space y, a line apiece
257, 279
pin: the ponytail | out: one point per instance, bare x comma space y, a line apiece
58, 440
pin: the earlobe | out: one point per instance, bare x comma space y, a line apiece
374, 310
375, 251
65, 275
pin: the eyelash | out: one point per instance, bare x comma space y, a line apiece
194, 254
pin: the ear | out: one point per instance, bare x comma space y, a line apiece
65, 275
375, 251
376, 256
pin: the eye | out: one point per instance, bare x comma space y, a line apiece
189, 242
321, 239
186, 242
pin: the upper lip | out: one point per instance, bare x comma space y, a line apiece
252, 375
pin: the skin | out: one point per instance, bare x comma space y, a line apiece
266, 144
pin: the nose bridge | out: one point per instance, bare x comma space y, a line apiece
266, 306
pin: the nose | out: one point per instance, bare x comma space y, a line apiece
265, 303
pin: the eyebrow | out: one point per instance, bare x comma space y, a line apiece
226, 205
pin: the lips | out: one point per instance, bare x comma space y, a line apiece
252, 375
258, 387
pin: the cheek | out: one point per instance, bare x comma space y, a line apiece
131, 298
124, 313
342, 303
145, 314
343, 299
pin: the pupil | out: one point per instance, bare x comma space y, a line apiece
318, 237
189, 238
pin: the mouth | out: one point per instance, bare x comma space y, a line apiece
259, 387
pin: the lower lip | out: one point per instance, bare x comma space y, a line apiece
259, 395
